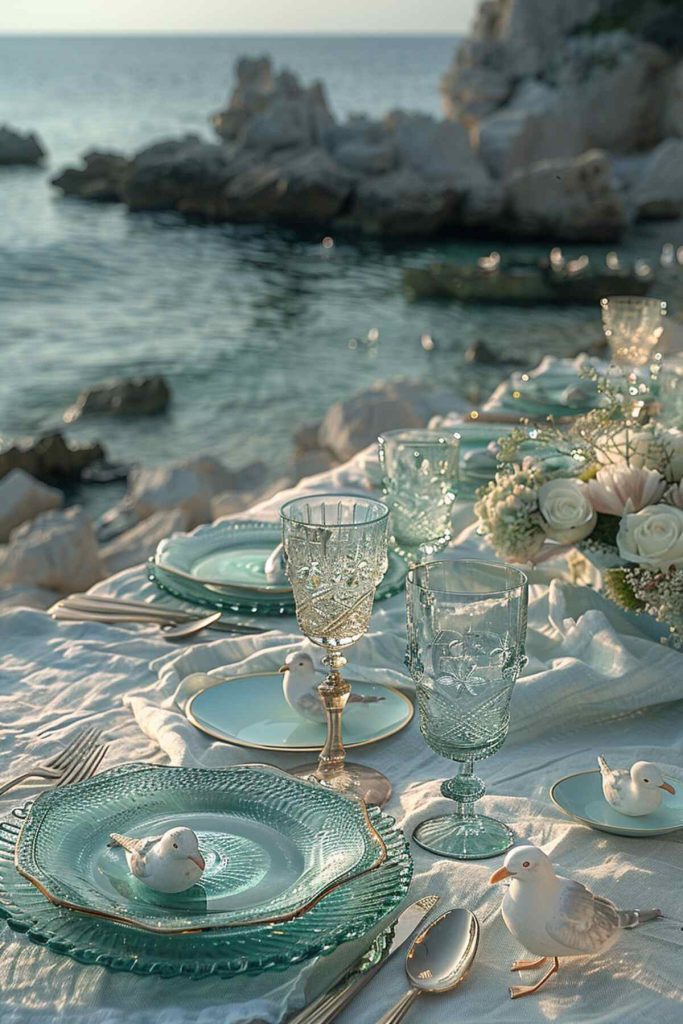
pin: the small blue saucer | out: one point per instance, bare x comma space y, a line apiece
581, 797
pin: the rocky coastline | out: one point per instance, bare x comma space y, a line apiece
563, 121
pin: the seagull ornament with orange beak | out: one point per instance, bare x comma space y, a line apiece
555, 917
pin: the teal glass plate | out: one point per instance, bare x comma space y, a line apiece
347, 913
251, 711
250, 542
581, 797
274, 845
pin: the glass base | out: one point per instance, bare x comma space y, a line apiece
353, 780
473, 838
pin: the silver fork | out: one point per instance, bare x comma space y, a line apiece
84, 769
65, 761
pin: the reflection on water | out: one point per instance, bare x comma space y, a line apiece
251, 326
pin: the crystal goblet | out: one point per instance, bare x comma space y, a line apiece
466, 635
420, 473
632, 325
335, 549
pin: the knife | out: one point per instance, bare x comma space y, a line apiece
330, 1004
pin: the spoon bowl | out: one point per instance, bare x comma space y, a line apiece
438, 959
186, 629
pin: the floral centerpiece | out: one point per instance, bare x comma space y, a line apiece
610, 484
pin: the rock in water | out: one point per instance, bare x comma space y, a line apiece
16, 148
23, 498
100, 179
659, 192
56, 551
571, 200
50, 457
130, 396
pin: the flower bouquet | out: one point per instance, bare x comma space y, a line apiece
610, 485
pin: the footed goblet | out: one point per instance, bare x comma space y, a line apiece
335, 549
466, 635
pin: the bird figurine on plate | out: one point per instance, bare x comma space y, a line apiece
168, 863
300, 687
635, 791
555, 917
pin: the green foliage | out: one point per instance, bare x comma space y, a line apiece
606, 530
620, 591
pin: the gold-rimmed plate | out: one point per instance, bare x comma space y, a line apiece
251, 711
274, 845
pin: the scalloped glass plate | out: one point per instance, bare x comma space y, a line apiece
346, 913
236, 551
274, 845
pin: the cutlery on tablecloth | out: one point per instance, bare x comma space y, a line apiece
438, 959
79, 760
93, 608
327, 1006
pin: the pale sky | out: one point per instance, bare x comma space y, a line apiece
267, 17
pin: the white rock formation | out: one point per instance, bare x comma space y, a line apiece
189, 486
355, 423
22, 497
573, 199
135, 546
56, 551
659, 191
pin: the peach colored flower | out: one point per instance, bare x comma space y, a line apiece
616, 490
674, 495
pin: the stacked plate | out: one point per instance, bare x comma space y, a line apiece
292, 870
222, 565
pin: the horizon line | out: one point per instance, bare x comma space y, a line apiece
239, 34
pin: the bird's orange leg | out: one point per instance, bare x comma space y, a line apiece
528, 965
516, 991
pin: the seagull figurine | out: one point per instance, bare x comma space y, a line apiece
168, 863
635, 791
300, 687
555, 917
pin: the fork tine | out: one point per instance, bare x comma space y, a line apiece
67, 754
84, 768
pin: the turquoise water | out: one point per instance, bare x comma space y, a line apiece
252, 327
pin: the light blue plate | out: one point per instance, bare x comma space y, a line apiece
581, 797
251, 711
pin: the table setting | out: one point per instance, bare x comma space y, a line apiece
226, 794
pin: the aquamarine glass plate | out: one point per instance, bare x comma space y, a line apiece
251, 711
581, 797
239, 548
230, 555
348, 912
274, 845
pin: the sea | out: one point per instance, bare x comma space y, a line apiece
256, 329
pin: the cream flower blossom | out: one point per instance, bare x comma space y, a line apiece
616, 490
653, 537
671, 442
566, 513
626, 447
674, 495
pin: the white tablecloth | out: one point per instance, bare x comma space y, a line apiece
597, 682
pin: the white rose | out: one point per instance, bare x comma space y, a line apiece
672, 443
626, 446
653, 537
567, 514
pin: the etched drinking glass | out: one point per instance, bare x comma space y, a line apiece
466, 635
632, 325
420, 472
335, 549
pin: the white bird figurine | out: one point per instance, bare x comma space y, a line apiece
168, 863
555, 917
633, 791
300, 687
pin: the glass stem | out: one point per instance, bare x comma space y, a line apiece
466, 788
334, 691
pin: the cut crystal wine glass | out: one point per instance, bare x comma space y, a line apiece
335, 549
632, 325
420, 473
466, 636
